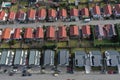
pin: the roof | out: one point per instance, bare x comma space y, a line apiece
2, 14
80, 58
85, 12
62, 32
86, 30
74, 12
39, 33
34, 57
74, 31
99, 30
63, 13
20, 14
3, 57
17, 33
42, 13
50, 32
11, 16
6, 34
95, 58
117, 8
28, 33
96, 10
63, 57
52, 13
49, 57
31, 13
107, 9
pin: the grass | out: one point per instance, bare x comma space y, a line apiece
62, 44
17, 45
5, 45
73, 43
49, 43
14, 8
86, 43
77, 49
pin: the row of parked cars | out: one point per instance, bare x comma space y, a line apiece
34, 58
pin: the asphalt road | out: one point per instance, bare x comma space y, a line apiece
79, 23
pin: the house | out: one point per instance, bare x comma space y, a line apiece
52, 15
112, 58
109, 30
39, 35
63, 14
86, 32
85, 13
28, 35
49, 58
34, 58
99, 33
31, 14
42, 14
20, 58
80, 58
3, 16
21, 16
107, 10
96, 12
117, 10
74, 14
62, 34
11, 16
95, 58
6, 58
17, 34
74, 31
63, 58
6, 34
50, 33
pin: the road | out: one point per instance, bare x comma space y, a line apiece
79, 23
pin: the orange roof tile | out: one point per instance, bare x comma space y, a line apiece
50, 32
17, 34
42, 13
2, 14
117, 8
28, 33
96, 10
107, 9
39, 33
63, 13
11, 16
74, 12
62, 32
31, 13
20, 14
52, 13
6, 34
86, 30
85, 12
74, 31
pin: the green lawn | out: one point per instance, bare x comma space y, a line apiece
86, 43
77, 49
61, 44
73, 43
14, 8
49, 43
5, 45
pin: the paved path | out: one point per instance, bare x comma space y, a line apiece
79, 23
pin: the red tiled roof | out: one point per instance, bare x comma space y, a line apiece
17, 34
31, 13
42, 13
6, 33
52, 13
50, 32
86, 30
62, 32
39, 33
28, 33
2, 14
96, 10
74, 31
117, 8
107, 9
63, 13
20, 14
11, 16
74, 12
85, 12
